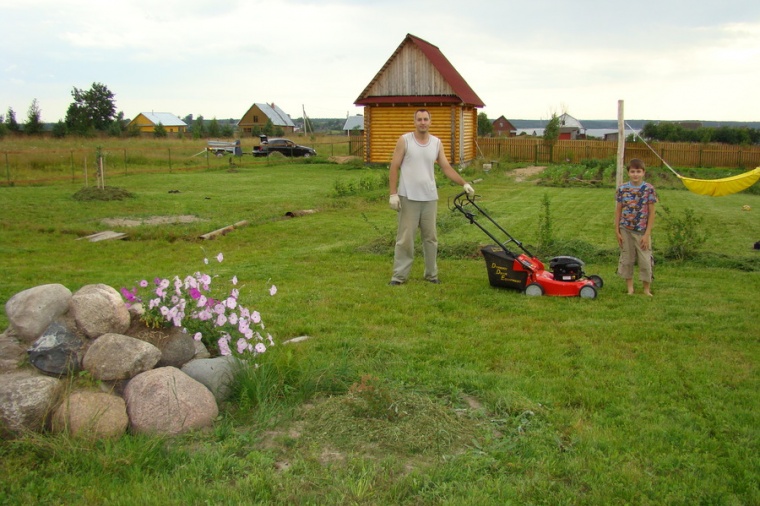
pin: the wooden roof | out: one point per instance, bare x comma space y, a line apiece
454, 89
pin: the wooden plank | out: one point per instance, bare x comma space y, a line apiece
106, 235
224, 230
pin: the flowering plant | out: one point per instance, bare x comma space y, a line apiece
220, 321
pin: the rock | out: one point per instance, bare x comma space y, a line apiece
25, 401
91, 414
177, 350
30, 312
99, 309
57, 351
216, 374
11, 352
168, 401
118, 357
200, 350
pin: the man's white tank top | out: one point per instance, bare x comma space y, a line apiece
417, 177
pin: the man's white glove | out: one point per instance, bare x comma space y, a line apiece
468, 189
395, 202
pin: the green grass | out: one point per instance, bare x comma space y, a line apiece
475, 395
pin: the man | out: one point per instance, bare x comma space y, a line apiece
415, 196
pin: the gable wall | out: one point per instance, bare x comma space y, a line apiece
410, 73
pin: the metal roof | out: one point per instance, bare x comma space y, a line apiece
277, 115
165, 118
354, 122
463, 91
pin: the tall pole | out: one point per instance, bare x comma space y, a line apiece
621, 145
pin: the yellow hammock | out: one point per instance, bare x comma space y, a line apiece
712, 187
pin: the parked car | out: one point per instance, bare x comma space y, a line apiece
281, 145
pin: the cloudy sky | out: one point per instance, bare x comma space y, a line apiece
667, 59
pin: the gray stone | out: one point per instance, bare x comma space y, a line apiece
216, 373
30, 312
57, 351
91, 414
168, 401
26, 400
177, 350
118, 357
99, 309
200, 350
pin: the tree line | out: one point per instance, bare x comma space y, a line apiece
675, 132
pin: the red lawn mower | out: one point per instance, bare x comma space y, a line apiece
525, 272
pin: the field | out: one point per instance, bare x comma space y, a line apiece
458, 393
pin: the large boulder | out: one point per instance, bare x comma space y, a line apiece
168, 401
217, 374
30, 312
91, 414
99, 309
118, 357
26, 399
57, 351
176, 350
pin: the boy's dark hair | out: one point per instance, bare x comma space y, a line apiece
636, 163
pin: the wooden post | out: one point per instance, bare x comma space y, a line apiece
620, 146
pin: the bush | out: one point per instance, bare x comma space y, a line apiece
684, 233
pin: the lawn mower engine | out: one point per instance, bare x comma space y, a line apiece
566, 268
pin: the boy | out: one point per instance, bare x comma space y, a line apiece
634, 219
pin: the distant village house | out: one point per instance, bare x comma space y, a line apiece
354, 125
502, 127
256, 117
148, 121
570, 128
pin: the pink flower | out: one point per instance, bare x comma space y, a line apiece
221, 320
194, 293
234, 280
231, 303
198, 336
205, 261
219, 258
143, 283
202, 301
256, 317
233, 319
273, 290
242, 345
260, 348
224, 347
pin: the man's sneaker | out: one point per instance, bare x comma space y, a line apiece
395, 283
435, 281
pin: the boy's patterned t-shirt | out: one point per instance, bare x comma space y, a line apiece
635, 210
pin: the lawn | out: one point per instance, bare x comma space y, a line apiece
457, 393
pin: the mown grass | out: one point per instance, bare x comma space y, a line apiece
452, 394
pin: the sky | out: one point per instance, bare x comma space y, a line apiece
666, 60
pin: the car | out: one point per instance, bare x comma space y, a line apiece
281, 145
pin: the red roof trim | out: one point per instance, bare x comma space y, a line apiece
410, 99
463, 90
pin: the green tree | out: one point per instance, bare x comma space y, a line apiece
92, 110
159, 132
485, 127
10, 121
60, 130
228, 130
214, 130
33, 125
269, 127
199, 128
551, 134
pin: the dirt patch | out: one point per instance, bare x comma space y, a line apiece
526, 172
344, 159
153, 220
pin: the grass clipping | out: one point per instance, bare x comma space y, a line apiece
374, 419
107, 193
